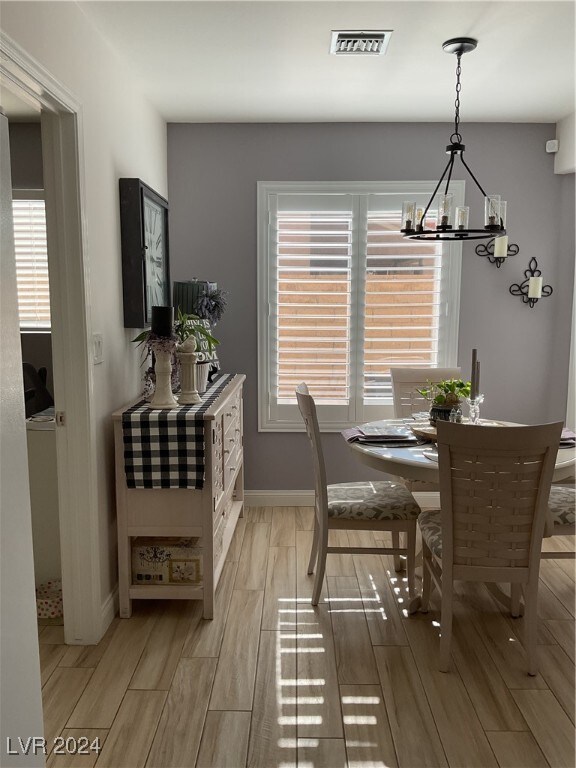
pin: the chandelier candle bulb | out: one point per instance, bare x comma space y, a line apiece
492, 212
418, 217
408, 220
462, 214
535, 288
445, 210
501, 247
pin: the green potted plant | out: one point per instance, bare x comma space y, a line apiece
193, 336
188, 332
188, 327
445, 398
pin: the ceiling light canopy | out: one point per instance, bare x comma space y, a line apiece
452, 224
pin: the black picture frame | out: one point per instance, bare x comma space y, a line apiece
140, 209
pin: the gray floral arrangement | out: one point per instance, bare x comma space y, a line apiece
211, 305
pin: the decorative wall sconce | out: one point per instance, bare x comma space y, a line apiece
497, 250
531, 289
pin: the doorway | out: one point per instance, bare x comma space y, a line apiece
33, 289
70, 321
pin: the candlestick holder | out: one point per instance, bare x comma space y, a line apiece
488, 251
531, 289
187, 355
474, 406
163, 397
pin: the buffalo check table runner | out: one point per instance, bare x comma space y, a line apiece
165, 448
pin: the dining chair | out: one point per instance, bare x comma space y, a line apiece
405, 381
562, 516
379, 505
494, 488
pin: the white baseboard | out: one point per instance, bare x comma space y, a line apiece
109, 609
279, 498
306, 498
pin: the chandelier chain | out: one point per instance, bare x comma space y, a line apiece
456, 135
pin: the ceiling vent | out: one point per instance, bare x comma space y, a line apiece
360, 43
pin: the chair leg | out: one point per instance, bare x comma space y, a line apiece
426, 577
446, 625
398, 564
314, 550
414, 601
531, 625
411, 557
320, 568
515, 592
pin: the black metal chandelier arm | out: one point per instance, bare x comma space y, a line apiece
471, 174
450, 167
440, 180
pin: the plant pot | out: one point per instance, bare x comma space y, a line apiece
443, 412
202, 370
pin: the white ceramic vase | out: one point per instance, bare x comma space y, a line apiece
202, 371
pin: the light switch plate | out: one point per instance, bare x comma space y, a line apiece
98, 348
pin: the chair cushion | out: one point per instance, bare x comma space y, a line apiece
561, 504
430, 524
380, 500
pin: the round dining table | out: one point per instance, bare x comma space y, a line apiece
420, 462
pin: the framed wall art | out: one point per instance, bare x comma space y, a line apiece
145, 252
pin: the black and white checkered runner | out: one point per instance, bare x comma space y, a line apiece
165, 448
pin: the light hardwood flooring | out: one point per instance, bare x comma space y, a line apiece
272, 682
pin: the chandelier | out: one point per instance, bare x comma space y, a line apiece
452, 223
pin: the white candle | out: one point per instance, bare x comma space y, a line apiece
501, 247
535, 288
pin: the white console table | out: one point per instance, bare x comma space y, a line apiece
210, 513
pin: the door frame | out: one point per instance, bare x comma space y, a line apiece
64, 184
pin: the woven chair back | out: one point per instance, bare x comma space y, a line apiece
494, 488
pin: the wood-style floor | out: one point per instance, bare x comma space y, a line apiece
273, 682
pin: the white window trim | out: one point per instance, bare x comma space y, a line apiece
447, 355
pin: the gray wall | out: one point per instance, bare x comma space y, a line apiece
212, 175
26, 156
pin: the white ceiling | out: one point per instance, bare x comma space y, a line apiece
269, 62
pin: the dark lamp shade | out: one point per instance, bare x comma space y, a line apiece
186, 294
162, 321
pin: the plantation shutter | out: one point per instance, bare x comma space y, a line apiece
343, 297
403, 303
313, 242
31, 254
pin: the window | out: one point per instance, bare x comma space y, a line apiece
343, 297
31, 254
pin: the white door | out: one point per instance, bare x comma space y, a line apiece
20, 699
